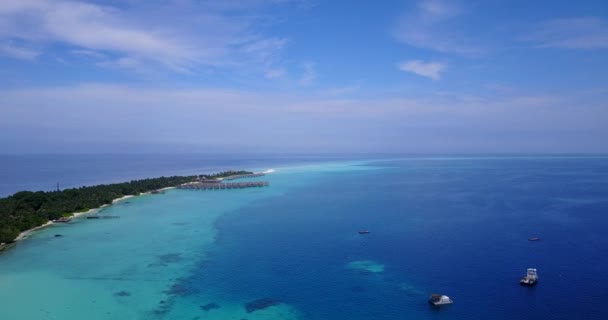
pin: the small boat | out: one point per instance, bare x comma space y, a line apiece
364, 231
63, 220
534, 239
530, 279
439, 299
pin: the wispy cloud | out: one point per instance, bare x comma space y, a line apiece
274, 73
309, 74
265, 48
267, 52
431, 25
340, 91
179, 36
571, 33
439, 9
11, 50
431, 69
449, 122
88, 53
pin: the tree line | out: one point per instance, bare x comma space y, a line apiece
25, 210
225, 174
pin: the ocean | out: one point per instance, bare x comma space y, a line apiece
457, 226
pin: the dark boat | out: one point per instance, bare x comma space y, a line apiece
364, 232
534, 239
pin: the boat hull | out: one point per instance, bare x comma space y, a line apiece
438, 300
528, 283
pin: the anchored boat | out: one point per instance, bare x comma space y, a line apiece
363, 231
530, 279
438, 299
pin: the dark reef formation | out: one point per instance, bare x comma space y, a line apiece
166, 259
260, 304
210, 306
170, 258
180, 289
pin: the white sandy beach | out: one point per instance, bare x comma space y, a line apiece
24, 235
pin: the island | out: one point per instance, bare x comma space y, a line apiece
27, 210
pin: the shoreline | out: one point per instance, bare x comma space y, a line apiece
25, 234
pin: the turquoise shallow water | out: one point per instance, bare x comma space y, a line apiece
457, 226
125, 268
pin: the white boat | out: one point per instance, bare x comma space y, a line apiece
530, 279
438, 299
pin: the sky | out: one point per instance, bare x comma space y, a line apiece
305, 76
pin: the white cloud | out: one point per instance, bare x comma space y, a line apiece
179, 36
438, 9
572, 33
431, 70
88, 53
309, 74
265, 48
103, 113
340, 91
267, 52
274, 73
11, 50
92, 27
433, 25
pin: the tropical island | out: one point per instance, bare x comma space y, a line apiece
26, 210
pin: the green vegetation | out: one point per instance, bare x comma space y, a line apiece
25, 210
226, 174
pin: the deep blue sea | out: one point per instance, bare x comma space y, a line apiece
451, 225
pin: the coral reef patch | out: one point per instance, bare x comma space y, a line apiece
366, 266
210, 306
260, 304
122, 294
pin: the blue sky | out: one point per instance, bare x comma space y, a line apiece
427, 76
